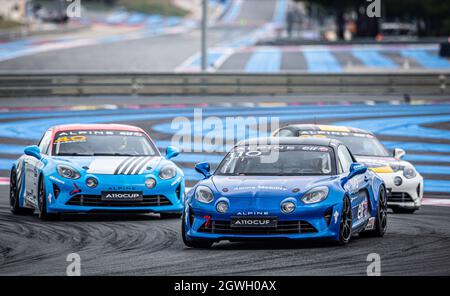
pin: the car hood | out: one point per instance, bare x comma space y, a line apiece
270, 186
383, 164
112, 165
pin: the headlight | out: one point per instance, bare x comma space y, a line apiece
167, 172
287, 207
204, 194
315, 195
67, 172
150, 183
222, 207
409, 172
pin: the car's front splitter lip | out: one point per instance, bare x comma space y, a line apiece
79, 209
404, 205
302, 236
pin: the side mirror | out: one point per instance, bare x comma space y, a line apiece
399, 153
355, 169
33, 151
203, 168
172, 152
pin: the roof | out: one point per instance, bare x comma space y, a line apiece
288, 141
327, 128
114, 127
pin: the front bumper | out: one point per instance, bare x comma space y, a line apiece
67, 196
312, 222
408, 195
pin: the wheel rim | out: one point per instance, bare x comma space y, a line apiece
13, 190
383, 210
41, 197
346, 221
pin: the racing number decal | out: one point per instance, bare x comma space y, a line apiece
362, 210
72, 139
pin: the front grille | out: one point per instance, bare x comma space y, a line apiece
399, 197
96, 201
283, 227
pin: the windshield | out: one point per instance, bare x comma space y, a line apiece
358, 143
277, 160
102, 143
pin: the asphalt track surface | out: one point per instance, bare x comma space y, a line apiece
149, 53
232, 47
417, 244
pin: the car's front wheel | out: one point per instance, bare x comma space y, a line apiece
42, 202
345, 228
191, 242
14, 202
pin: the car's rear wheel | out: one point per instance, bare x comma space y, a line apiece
381, 219
14, 202
170, 215
191, 242
345, 228
42, 202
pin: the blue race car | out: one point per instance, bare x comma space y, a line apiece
286, 188
96, 168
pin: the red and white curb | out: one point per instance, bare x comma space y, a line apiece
4, 181
436, 202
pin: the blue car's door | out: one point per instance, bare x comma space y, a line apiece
32, 169
31, 177
356, 188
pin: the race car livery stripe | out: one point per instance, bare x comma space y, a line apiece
384, 169
141, 166
106, 165
135, 165
125, 165
128, 165
120, 165
331, 128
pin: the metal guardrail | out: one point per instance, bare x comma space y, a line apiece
55, 84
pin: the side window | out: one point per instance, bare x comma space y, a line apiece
45, 142
285, 133
345, 158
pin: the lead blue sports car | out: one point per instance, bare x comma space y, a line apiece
286, 188
96, 168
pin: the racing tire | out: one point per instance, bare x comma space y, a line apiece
42, 203
170, 215
404, 211
345, 227
193, 243
14, 202
381, 219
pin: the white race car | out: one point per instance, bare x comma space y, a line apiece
403, 182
